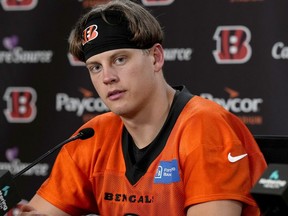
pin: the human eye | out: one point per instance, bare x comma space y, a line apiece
120, 60
95, 68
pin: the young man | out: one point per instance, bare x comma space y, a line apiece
161, 150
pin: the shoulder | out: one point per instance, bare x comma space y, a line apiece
106, 127
210, 123
203, 109
108, 119
107, 130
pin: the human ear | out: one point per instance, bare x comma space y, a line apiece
158, 56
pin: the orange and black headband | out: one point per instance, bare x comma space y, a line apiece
107, 31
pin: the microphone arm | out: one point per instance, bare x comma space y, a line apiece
9, 195
83, 134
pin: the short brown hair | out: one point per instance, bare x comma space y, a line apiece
143, 25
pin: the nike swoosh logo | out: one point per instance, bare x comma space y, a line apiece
234, 159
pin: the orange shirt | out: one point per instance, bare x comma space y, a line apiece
193, 167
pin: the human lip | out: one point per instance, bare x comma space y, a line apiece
115, 94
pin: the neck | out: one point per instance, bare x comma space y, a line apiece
147, 124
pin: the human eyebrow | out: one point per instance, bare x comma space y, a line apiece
121, 52
118, 53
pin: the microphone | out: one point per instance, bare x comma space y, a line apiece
9, 196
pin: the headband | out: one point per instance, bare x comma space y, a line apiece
106, 31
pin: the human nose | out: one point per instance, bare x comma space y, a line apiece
109, 75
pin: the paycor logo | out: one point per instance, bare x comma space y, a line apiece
247, 109
79, 105
237, 105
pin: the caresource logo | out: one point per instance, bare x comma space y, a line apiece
232, 45
18, 5
16, 54
21, 104
14, 164
157, 2
178, 54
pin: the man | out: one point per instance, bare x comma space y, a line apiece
161, 150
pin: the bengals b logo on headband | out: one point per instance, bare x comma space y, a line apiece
89, 34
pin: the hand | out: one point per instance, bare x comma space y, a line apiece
38, 206
27, 210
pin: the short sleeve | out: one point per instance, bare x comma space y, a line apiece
68, 188
221, 164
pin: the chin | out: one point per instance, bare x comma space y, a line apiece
118, 111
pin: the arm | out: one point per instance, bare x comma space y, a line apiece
39, 206
215, 208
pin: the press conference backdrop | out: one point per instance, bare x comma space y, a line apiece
234, 52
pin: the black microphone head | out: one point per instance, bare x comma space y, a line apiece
86, 133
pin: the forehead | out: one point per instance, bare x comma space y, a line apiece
111, 54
